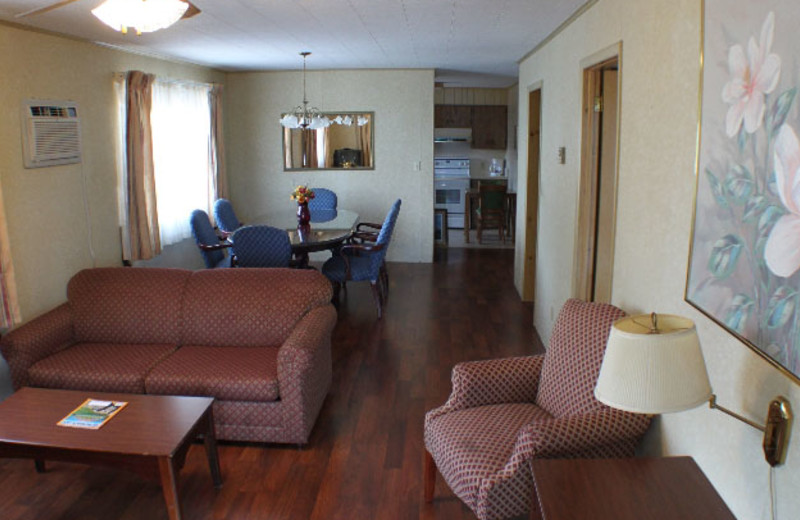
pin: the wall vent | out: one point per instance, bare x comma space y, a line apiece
51, 133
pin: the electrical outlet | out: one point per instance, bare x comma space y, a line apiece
417, 166
562, 154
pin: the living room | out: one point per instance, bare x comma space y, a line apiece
63, 219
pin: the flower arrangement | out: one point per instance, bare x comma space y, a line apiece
302, 194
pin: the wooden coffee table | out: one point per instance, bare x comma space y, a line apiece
150, 436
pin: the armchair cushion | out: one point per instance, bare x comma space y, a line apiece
574, 356
473, 447
361, 267
99, 367
230, 374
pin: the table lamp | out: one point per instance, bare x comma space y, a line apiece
653, 364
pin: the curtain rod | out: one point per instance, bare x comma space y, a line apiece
175, 81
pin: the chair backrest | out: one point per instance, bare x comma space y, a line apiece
261, 246
492, 197
573, 358
323, 199
385, 234
225, 216
204, 234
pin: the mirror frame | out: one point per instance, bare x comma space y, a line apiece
284, 140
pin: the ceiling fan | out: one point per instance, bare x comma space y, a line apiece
190, 11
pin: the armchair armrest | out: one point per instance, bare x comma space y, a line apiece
570, 436
35, 340
368, 225
305, 367
493, 381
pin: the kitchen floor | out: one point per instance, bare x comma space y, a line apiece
491, 240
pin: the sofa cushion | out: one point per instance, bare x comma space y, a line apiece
249, 307
227, 373
99, 367
127, 304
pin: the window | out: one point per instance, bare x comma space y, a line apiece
180, 174
181, 121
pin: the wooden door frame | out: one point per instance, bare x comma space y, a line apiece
583, 266
533, 169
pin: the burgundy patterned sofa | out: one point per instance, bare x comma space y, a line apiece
258, 340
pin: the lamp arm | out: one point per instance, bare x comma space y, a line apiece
712, 403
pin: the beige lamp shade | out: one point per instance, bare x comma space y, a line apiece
653, 364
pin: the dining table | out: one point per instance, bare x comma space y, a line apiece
327, 230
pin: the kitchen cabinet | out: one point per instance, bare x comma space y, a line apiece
452, 116
489, 127
488, 123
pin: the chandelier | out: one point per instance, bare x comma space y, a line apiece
142, 15
303, 116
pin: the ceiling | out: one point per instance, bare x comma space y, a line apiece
470, 43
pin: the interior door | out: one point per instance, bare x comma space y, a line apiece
532, 195
594, 263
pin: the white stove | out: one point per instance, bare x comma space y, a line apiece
451, 184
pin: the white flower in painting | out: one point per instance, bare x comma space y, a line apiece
782, 252
752, 76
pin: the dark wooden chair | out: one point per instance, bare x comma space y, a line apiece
491, 212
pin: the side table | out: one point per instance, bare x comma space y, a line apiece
670, 488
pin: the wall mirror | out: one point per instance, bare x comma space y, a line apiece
346, 142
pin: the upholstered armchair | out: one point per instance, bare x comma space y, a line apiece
365, 261
210, 244
324, 199
226, 218
502, 413
261, 246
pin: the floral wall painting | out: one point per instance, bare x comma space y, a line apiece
744, 265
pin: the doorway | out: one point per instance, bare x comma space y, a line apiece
532, 195
594, 266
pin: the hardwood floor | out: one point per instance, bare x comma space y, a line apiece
364, 459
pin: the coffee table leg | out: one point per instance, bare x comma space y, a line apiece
39, 464
210, 441
170, 487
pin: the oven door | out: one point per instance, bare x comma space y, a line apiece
450, 194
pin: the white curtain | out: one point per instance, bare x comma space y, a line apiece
181, 122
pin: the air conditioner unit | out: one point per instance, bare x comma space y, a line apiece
51, 133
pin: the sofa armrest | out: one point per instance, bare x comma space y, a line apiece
35, 340
492, 381
570, 435
305, 367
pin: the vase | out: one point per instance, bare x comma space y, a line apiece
303, 214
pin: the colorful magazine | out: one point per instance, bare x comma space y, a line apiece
92, 414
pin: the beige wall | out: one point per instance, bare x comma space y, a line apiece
660, 81
64, 218
402, 101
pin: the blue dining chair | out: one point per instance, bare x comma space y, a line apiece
324, 199
261, 246
207, 240
364, 261
226, 217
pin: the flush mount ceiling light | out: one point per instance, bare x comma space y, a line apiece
303, 116
142, 15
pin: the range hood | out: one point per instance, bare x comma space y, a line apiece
452, 135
